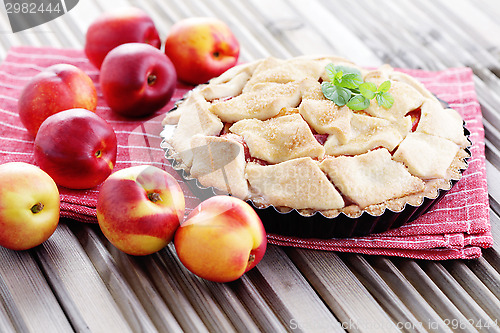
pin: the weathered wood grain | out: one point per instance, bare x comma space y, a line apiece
77, 285
339, 288
27, 298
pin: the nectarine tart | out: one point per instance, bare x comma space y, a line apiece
320, 146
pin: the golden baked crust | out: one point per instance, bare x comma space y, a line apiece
290, 142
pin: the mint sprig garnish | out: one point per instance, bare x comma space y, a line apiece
346, 87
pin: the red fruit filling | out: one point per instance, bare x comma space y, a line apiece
321, 138
415, 118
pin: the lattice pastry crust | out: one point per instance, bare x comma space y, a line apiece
264, 132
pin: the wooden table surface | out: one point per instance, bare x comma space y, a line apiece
76, 281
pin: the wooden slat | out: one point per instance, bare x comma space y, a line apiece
290, 295
28, 298
342, 291
462, 300
378, 287
256, 305
339, 38
289, 27
471, 283
407, 293
143, 288
122, 294
443, 306
245, 15
81, 292
6, 325
198, 301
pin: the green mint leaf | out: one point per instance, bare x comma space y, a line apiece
337, 79
330, 71
384, 86
327, 88
368, 89
347, 70
346, 86
385, 100
358, 102
342, 96
351, 81
338, 95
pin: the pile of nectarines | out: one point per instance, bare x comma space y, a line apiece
140, 209
137, 78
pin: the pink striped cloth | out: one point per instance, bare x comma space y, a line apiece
457, 227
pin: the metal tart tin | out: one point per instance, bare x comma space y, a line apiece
293, 223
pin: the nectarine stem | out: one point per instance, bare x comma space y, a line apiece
151, 79
154, 197
98, 153
37, 208
251, 258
